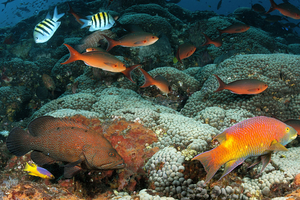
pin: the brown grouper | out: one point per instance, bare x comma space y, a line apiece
53, 139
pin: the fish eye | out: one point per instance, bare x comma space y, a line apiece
153, 37
111, 154
287, 129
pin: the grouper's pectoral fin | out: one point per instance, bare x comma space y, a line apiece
230, 165
40, 158
72, 168
276, 146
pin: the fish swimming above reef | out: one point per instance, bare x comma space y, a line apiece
286, 9
184, 50
6, 2
257, 136
77, 17
44, 30
235, 28
295, 123
134, 39
244, 86
217, 42
100, 21
54, 139
35, 170
96, 57
159, 81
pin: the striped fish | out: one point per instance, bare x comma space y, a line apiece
100, 21
44, 30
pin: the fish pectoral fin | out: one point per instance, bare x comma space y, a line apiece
252, 90
69, 172
221, 137
73, 164
139, 42
111, 64
265, 159
40, 158
230, 165
276, 146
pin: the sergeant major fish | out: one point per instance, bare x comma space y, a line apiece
53, 139
44, 30
257, 136
100, 21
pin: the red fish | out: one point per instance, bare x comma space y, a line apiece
185, 50
217, 42
295, 123
159, 81
77, 17
53, 139
257, 136
235, 28
49, 83
286, 9
244, 86
134, 39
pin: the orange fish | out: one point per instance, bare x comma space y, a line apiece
244, 86
184, 51
97, 59
53, 139
257, 136
295, 123
77, 17
235, 28
134, 39
49, 83
217, 42
286, 9
159, 81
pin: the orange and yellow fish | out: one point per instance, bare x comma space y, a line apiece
257, 136
235, 28
217, 42
286, 9
134, 39
244, 86
35, 170
295, 123
184, 50
159, 81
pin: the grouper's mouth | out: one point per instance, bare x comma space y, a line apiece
113, 165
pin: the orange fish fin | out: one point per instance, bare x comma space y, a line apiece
128, 70
265, 159
209, 162
276, 146
207, 40
40, 158
230, 165
273, 6
17, 142
222, 85
178, 55
69, 172
74, 55
148, 79
221, 137
110, 43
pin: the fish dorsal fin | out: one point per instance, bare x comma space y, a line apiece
42, 125
221, 137
276, 146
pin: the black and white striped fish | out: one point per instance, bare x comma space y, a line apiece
44, 30
100, 21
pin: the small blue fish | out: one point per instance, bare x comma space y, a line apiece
35, 170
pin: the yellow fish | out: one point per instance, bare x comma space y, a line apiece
35, 170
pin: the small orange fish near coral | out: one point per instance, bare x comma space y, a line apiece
257, 136
235, 28
185, 50
244, 86
217, 42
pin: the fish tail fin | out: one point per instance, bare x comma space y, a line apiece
71, 11
210, 162
273, 6
74, 55
222, 85
148, 79
17, 142
57, 16
207, 40
128, 70
220, 31
85, 22
111, 43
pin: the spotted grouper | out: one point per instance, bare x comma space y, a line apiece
53, 139
257, 136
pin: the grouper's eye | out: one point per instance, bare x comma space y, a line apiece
111, 154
